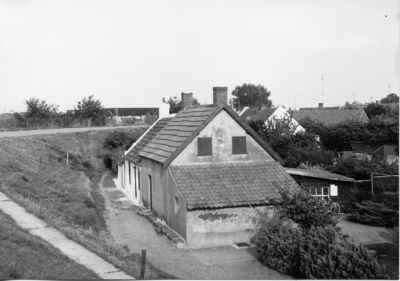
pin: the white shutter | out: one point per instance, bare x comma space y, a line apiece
334, 190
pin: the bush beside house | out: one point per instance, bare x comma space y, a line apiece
316, 249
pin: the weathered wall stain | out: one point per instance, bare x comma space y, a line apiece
216, 216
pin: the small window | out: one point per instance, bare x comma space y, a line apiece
204, 147
176, 205
325, 191
319, 190
239, 145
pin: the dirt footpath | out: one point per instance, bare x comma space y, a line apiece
134, 231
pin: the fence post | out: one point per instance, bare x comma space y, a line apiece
142, 264
40, 161
372, 183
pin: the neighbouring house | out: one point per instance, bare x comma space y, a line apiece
384, 151
129, 169
205, 173
332, 117
131, 113
324, 184
269, 115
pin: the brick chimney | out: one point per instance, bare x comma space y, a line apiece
220, 95
187, 100
320, 105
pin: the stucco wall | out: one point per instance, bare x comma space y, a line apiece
220, 227
221, 129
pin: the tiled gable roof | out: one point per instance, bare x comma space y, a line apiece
231, 184
176, 132
248, 113
264, 114
332, 117
184, 127
133, 154
257, 114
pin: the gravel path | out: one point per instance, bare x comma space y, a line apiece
134, 231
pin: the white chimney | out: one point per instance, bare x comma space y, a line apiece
163, 110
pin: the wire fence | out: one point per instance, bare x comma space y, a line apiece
11, 124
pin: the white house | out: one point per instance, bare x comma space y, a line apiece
269, 115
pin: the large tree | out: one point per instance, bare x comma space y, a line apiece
88, 107
36, 108
175, 105
250, 95
391, 98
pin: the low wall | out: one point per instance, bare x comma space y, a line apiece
220, 227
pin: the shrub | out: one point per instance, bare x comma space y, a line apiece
278, 247
305, 210
374, 213
316, 253
327, 254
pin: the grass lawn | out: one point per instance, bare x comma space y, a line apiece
24, 256
35, 174
388, 254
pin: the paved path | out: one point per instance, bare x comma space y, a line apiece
74, 251
13, 134
366, 235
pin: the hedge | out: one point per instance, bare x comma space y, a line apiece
317, 253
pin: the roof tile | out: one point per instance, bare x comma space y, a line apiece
231, 184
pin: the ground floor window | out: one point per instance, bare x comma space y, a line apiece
319, 191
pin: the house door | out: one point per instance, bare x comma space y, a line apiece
151, 193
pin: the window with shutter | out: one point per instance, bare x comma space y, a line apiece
204, 147
239, 145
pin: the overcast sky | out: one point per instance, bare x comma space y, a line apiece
134, 53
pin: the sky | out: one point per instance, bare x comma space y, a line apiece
134, 53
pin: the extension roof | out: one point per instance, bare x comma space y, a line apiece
318, 174
256, 114
133, 154
332, 117
231, 184
185, 126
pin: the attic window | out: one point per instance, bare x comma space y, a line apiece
239, 145
204, 147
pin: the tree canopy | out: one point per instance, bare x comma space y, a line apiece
250, 95
36, 108
295, 149
175, 105
391, 98
88, 107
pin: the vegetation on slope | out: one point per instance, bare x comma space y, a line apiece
35, 174
24, 256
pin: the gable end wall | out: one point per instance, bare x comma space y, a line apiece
221, 129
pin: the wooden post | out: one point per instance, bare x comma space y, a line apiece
143, 264
40, 161
372, 183
67, 158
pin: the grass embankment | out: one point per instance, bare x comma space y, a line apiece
35, 174
23, 256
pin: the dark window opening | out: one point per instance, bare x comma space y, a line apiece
129, 168
204, 147
239, 145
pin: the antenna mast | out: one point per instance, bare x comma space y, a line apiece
322, 89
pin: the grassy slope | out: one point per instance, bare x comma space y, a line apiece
23, 256
58, 193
